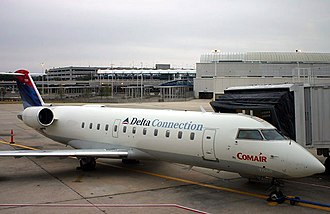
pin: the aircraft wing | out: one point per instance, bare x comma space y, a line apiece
101, 153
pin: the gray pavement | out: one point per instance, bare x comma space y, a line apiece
56, 181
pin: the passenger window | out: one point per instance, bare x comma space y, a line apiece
98, 126
272, 134
155, 132
249, 135
83, 125
115, 128
180, 134
106, 127
134, 130
167, 133
144, 131
124, 129
192, 136
90, 125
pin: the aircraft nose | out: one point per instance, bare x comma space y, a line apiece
303, 162
316, 166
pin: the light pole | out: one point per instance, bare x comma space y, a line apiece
215, 72
141, 85
42, 78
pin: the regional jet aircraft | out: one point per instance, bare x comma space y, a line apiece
232, 142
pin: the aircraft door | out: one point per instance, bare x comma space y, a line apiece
115, 128
208, 145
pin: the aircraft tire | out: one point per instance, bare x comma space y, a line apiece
87, 163
276, 196
130, 161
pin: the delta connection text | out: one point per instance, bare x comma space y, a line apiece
164, 124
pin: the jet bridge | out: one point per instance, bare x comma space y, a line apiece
299, 111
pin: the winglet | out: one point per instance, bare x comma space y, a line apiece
28, 90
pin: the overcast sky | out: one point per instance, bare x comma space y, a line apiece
131, 32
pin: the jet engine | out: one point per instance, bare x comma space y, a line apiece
38, 117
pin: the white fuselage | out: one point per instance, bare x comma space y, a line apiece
193, 138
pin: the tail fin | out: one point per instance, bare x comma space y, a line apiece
28, 90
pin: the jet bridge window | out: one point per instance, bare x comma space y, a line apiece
249, 135
272, 134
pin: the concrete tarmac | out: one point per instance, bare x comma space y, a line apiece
54, 185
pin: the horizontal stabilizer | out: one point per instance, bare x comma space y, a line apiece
98, 153
10, 74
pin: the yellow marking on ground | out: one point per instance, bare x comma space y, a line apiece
187, 181
18, 145
313, 206
272, 203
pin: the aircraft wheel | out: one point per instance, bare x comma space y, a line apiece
327, 166
276, 196
130, 161
87, 163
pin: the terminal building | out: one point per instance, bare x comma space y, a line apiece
218, 70
88, 84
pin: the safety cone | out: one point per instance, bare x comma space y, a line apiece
12, 137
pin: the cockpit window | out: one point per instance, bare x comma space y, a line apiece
249, 135
272, 134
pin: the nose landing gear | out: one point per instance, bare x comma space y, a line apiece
276, 195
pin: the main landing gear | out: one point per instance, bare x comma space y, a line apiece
87, 163
276, 195
130, 161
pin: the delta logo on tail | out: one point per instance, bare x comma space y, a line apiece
27, 90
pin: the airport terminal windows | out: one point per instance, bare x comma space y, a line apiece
249, 135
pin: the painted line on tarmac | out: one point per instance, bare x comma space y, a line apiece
108, 206
309, 184
188, 181
18, 145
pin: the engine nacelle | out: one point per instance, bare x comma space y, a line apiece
38, 117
